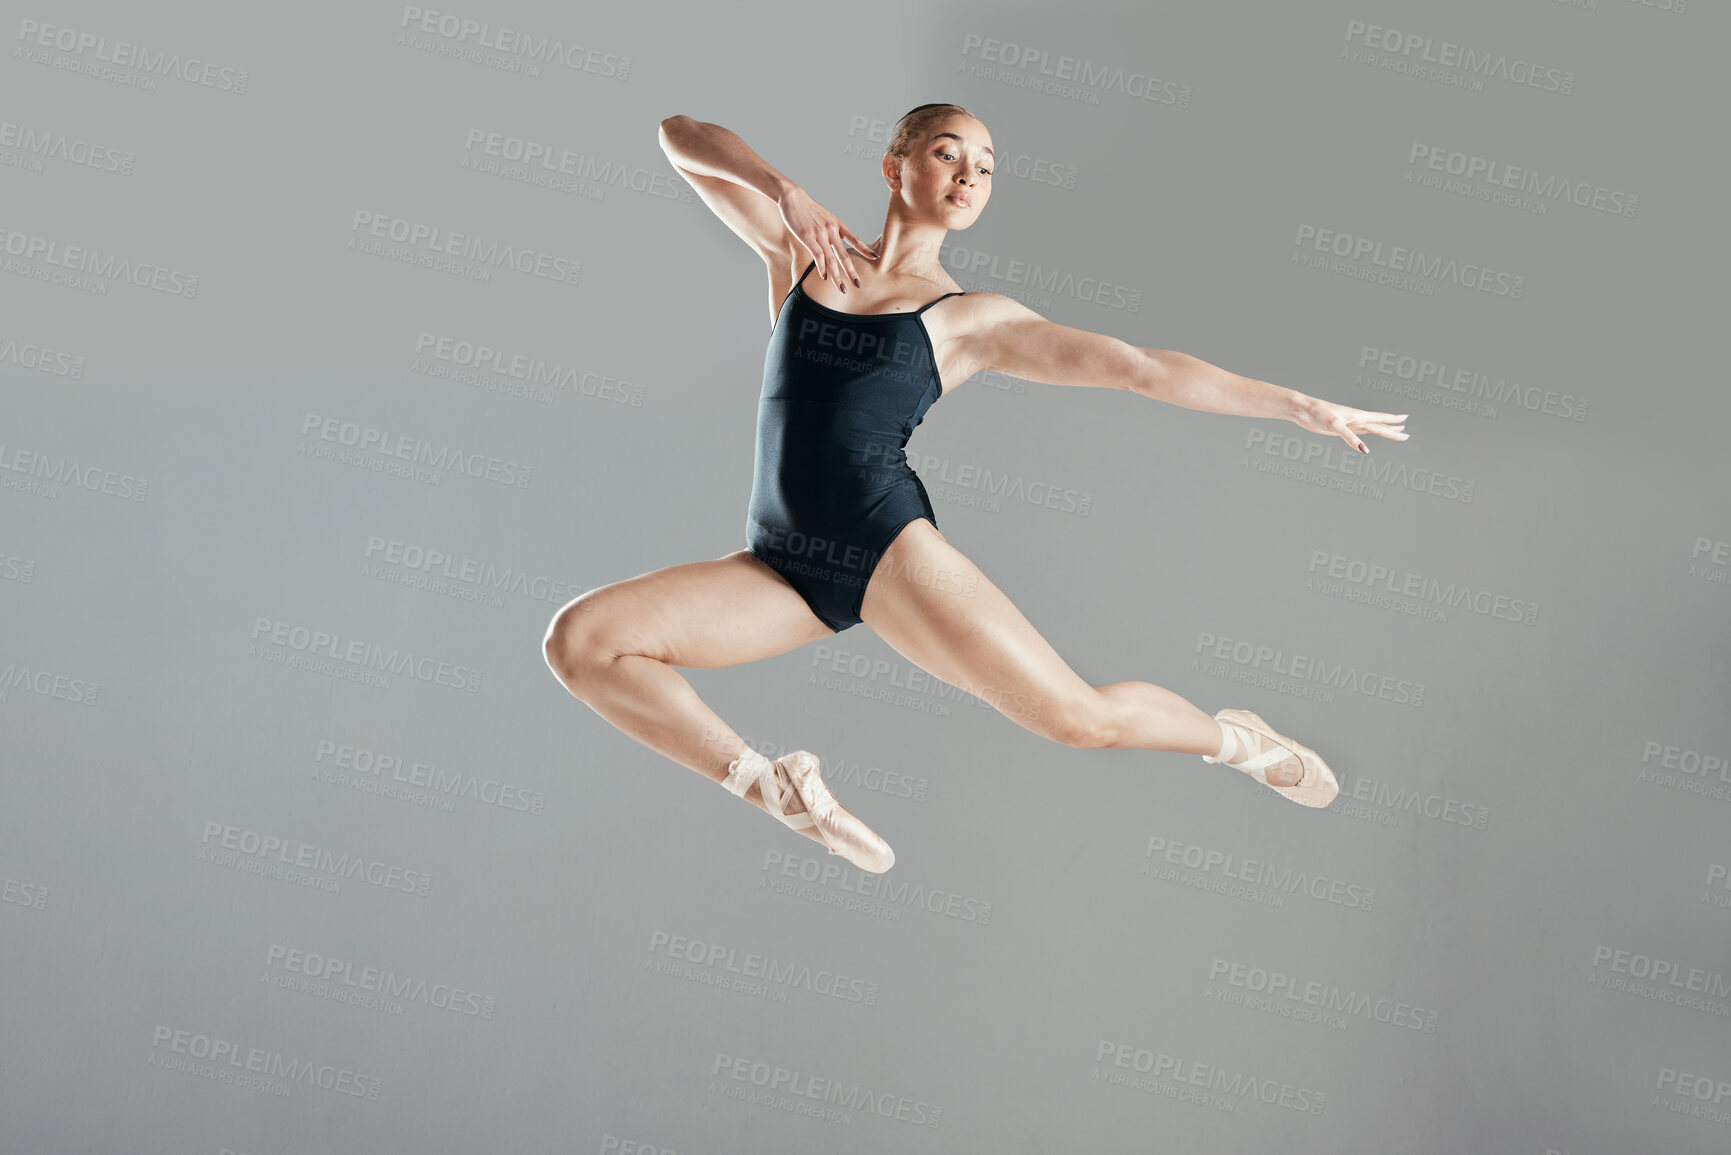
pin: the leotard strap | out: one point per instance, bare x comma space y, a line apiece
915, 313
945, 297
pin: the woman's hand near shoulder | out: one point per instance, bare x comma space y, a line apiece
821, 233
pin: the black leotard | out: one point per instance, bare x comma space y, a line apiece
832, 487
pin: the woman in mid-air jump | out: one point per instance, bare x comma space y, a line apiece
833, 494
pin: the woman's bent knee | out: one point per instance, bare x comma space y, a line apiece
576, 644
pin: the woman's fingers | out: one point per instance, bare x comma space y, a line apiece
1347, 423
843, 272
838, 256
859, 245
847, 261
1382, 424
827, 261
1341, 426
1346, 430
847, 255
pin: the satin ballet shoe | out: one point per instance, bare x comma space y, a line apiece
1317, 787
842, 833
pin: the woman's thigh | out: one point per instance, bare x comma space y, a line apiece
935, 608
700, 615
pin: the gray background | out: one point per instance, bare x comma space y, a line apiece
1511, 932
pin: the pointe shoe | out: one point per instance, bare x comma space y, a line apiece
841, 832
1317, 787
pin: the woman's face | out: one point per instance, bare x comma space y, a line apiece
949, 173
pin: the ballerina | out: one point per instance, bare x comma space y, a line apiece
840, 530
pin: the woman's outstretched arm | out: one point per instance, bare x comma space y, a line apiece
1012, 338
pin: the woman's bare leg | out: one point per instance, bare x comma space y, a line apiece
935, 608
614, 648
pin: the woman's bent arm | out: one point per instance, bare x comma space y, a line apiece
725, 173
711, 150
